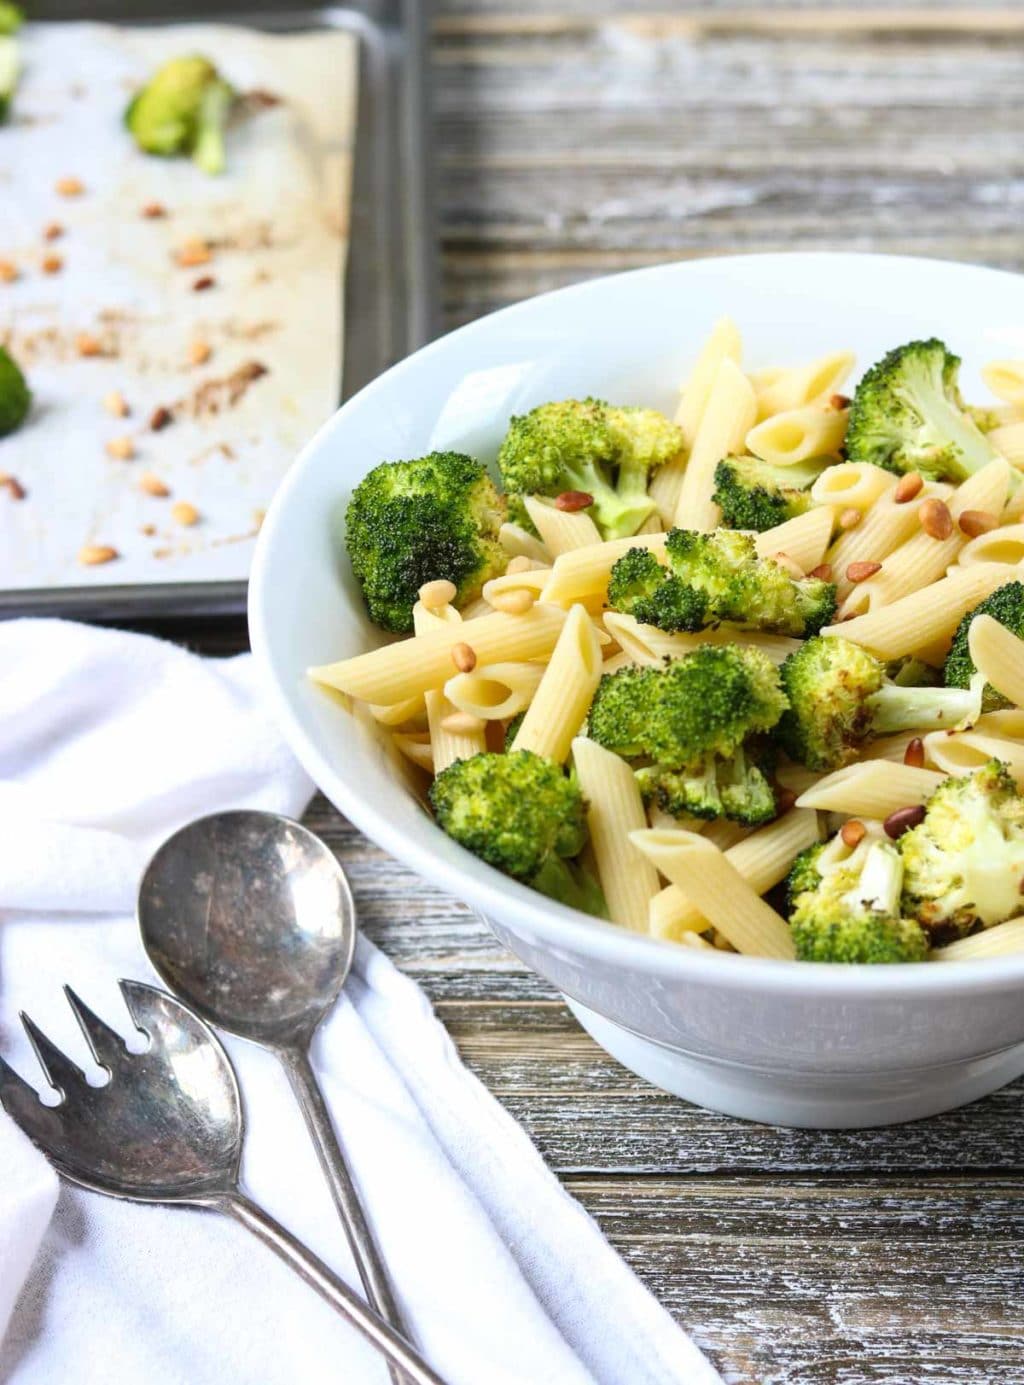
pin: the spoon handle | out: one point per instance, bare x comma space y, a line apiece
361, 1240
327, 1284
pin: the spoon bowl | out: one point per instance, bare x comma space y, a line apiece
249, 918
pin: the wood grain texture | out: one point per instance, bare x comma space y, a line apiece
577, 138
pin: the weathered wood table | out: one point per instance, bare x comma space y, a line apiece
572, 144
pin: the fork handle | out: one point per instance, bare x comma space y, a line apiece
327, 1284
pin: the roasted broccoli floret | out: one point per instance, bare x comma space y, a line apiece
839, 697
710, 578
1006, 605
964, 864
756, 495
10, 55
183, 109
418, 521
588, 446
15, 396
849, 911
694, 720
523, 815
907, 415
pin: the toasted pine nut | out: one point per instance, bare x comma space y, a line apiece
860, 572
88, 345
839, 401
903, 819
936, 521
121, 449
13, 487
914, 753
823, 572
51, 264
519, 564
907, 487
464, 657
975, 522
8, 272
184, 513
513, 603
571, 501
95, 553
437, 594
152, 485
461, 723
116, 404
69, 187
850, 518
853, 833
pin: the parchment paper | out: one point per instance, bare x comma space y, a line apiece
278, 226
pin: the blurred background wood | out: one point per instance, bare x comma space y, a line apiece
574, 139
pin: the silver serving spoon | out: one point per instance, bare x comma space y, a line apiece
249, 918
167, 1127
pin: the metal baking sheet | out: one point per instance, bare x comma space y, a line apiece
390, 285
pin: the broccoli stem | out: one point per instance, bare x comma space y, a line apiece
619, 513
949, 424
570, 885
208, 151
881, 881
895, 708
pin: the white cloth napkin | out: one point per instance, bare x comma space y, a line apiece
108, 742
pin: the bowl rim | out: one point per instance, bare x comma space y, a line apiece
485, 889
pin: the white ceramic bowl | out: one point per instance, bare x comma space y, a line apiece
788, 1043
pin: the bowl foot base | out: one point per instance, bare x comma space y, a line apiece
833, 1101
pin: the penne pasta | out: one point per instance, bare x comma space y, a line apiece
1003, 545
520, 543
999, 654
885, 527
585, 571
565, 692
873, 789
804, 539
416, 748
495, 692
561, 530
813, 383
646, 644
763, 858
798, 434
960, 752
1000, 941
1008, 440
729, 415
717, 889
447, 744
615, 809
852, 485
1006, 380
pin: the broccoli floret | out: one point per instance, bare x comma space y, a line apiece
12, 17
737, 787
15, 395
709, 578
183, 109
523, 815
1006, 605
756, 495
907, 415
839, 697
964, 864
418, 521
10, 56
589, 446
851, 911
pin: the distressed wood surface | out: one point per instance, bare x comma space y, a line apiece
576, 138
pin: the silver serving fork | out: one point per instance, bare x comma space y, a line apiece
168, 1128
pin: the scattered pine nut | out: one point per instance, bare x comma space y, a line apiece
521, 563
52, 264
514, 603
95, 553
53, 231
88, 345
184, 513
13, 487
152, 485
975, 522
192, 253
850, 518
860, 572
9, 272
121, 449
823, 572
464, 657
436, 594
936, 520
907, 487
116, 404
572, 501
199, 352
152, 211
853, 833
69, 187
903, 819
461, 723
914, 753
160, 418
205, 281
839, 401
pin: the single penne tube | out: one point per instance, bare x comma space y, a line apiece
1005, 379
617, 661
412, 667
882, 530
923, 559
925, 620
646, 644
852, 485
889, 747
873, 789
961, 752
446, 744
561, 530
565, 692
763, 858
729, 415
532, 580
797, 434
1002, 545
585, 571
495, 692
999, 654
614, 809
998, 941
813, 383
520, 543
717, 889
416, 748
803, 539
720, 832
397, 712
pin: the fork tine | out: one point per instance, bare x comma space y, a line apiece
106, 1044
61, 1073
14, 1090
